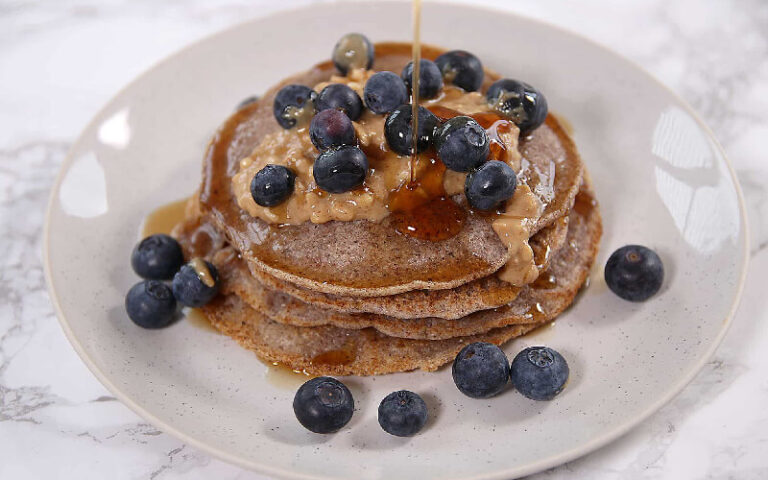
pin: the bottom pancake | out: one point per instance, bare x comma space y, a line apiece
328, 350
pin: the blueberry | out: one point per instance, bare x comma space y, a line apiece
196, 283
338, 96
399, 132
340, 169
402, 413
294, 104
519, 102
323, 405
430, 78
480, 370
384, 92
462, 144
247, 101
539, 373
461, 69
157, 257
272, 185
490, 185
150, 304
353, 50
634, 273
331, 128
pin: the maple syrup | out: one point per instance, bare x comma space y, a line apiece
284, 377
415, 83
584, 203
340, 356
164, 218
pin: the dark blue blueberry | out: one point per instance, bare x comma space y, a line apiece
338, 96
247, 101
353, 50
340, 169
150, 304
196, 283
461, 69
157, 257
490, 185
430, 78
323, 405
519, 102
384, 92
402, 413
539, 373
331, 128
462, 144
272, 185
294, 104
634, 273
480, 370
399, 132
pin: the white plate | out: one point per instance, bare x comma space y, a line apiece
661, 178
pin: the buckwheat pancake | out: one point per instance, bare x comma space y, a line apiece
482, 294
363, 350
363, 258
328, 350
549, 297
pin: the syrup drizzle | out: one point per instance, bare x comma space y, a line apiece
416, 76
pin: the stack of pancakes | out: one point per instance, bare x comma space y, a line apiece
359, 297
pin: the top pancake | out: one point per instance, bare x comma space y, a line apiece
363, 258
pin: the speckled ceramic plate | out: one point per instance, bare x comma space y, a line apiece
661, 178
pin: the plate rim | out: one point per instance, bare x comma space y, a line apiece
513, 472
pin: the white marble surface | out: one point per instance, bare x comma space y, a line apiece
61, 60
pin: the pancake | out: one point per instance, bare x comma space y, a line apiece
362, 258
328, 350
569, 268
481, 294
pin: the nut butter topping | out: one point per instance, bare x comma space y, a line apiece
202, 271
423, 208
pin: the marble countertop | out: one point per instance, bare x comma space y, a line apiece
60, 60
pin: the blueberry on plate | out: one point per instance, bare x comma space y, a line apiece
634, 273
480, 370
399, 132
247, 101
272, 185
519, 102
150, 304
353, 50
539, 373
462, 69
338, 96
323, 405
402, 413
430, 78
340, 169
196, 283
157, 257
462, 144
384, 92
490, 185
331, 128
294, 104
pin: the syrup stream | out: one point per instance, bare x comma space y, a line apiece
416, 57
